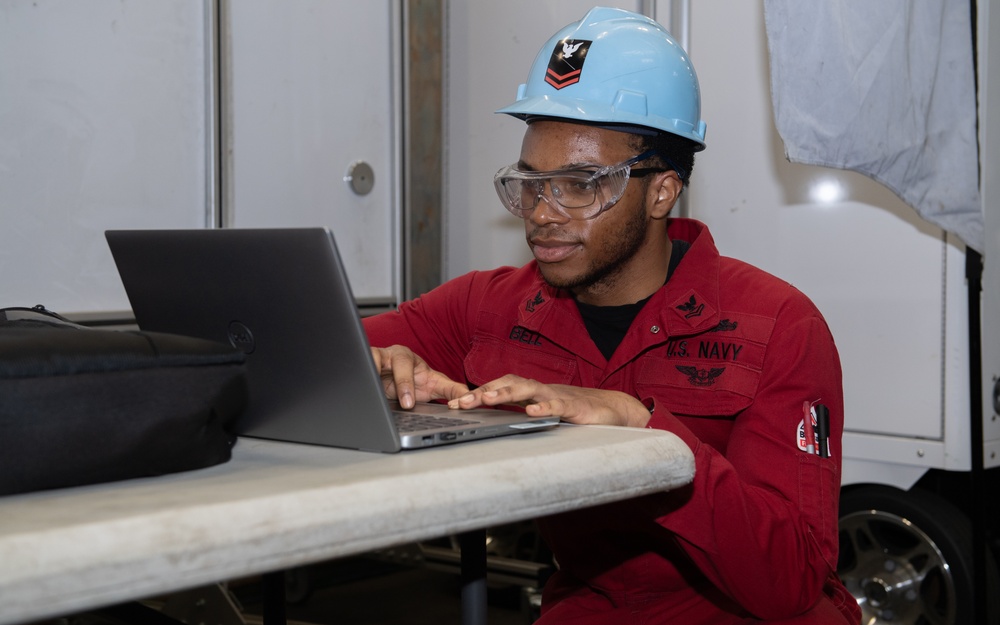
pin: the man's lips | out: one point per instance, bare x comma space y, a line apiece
552, 250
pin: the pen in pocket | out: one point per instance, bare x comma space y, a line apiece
823, 429
807, 426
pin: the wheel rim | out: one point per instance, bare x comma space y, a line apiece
895, 571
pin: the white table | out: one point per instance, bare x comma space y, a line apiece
281, 505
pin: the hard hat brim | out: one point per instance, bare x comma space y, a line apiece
590, 112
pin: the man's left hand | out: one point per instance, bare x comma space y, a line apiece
572, 404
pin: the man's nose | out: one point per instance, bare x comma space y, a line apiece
547, 210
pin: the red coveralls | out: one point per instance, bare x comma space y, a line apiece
724, 355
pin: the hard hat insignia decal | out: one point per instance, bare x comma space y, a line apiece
567, 62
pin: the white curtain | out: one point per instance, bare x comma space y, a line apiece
885, 88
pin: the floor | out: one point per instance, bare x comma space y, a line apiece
415, 596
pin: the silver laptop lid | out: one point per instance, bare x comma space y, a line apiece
311, 375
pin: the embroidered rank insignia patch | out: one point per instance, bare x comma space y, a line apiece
566, 63
693, 309
538, 300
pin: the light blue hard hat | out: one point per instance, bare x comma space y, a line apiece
614, 67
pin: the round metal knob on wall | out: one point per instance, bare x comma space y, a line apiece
360, 177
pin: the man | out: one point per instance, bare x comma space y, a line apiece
630, 317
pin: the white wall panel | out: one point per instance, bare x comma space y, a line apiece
102, 125
312, 91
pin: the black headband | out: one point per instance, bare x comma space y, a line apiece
645, 131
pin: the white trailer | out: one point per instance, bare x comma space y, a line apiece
919, 341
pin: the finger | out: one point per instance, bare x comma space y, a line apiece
401, 364
516, 395
484, 395
384, 370
466, 400
430, 384
449, 389
509, 389
551, 408
377, 358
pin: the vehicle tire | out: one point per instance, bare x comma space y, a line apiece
907, 557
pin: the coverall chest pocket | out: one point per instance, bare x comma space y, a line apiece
701, 394
696, 388
491, 358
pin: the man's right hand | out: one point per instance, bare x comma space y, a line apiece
408, 379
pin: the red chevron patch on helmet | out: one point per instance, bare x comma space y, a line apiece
562, 80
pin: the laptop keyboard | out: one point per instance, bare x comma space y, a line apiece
409, 422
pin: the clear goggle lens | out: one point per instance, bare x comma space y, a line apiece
584, 194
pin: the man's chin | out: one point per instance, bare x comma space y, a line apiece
559, 279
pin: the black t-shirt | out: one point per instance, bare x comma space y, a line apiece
607, 325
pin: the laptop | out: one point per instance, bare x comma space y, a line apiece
282, 297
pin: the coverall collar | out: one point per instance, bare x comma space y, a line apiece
688, 304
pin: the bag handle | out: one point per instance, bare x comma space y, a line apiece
36, 313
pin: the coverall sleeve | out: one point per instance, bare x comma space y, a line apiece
761, 519
435, 326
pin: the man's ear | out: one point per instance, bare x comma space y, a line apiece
664, 190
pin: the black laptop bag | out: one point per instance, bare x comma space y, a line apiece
82, 405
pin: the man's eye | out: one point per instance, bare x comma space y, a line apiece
534, 186
572, 186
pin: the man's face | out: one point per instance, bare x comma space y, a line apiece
587, 257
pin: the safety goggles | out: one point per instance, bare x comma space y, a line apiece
583, 194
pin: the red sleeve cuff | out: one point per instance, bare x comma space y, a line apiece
662, 419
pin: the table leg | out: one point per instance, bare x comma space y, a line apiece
473, 546
273, 599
